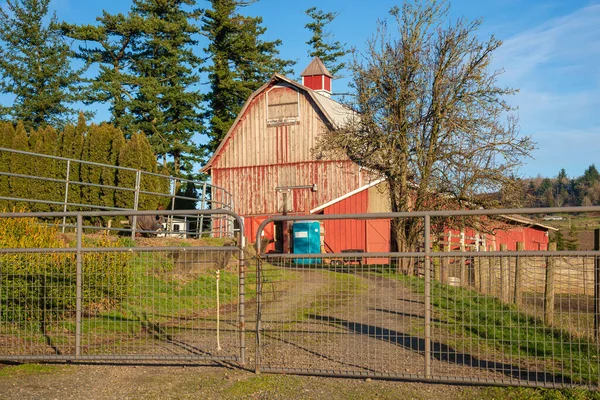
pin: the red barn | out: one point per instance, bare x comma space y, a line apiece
266, 162
266, 158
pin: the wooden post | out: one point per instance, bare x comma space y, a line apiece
549, 289
504, 276
518, 275
445, 264
597, 286
484, 268
436, 267
493, 282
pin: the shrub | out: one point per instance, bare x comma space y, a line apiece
36, 287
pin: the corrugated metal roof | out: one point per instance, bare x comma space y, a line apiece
339, 114
527, 221
316, 67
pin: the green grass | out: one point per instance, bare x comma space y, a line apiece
486, 322
28, 369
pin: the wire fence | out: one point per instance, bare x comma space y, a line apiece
523, 318
85, 296
509, 317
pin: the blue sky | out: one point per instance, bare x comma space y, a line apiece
551, 53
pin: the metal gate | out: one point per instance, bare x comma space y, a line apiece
524, 318
90, 295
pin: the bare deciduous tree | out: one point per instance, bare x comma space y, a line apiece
431, 117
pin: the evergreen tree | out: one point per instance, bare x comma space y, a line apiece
147, 74
34, 65
20, 164
166, 105
110, 46
98, 148
71, 141
45, 141
7, 133
559, 240
572, 242
108, 176
137, 153
189, 191
328, 51
241, 63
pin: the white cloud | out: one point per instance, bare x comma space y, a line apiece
556, 67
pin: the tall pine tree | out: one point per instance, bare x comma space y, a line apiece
240, 63
109, 46
167, 104
137, 153
148, 74
34, 66
320, 46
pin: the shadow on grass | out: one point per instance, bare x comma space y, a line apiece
443, 352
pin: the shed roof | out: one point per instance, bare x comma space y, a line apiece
336, 114
316, 67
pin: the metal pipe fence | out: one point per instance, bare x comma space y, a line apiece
64, 189
522, 318
90, 296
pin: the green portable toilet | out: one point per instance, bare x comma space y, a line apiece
307, 240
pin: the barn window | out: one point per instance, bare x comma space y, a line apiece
283, 105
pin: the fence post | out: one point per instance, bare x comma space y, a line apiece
66, 194
464, 276
519, 274
79, 284
136, 201
549, 289
242, 297
446, 263
201, 223
504, 276
476, 264
484, 271
427, 297
597, 286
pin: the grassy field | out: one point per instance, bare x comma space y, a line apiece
490, 326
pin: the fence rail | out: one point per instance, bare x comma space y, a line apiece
208, 196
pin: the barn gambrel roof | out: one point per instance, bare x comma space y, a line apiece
336, 114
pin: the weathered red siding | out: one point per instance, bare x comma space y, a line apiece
346, 234
260, 156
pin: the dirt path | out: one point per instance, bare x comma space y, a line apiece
364, 324
206, 382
